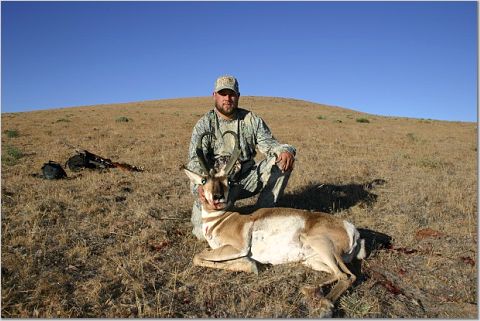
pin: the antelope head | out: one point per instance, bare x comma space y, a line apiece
215, 181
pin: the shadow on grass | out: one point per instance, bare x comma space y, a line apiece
331, 198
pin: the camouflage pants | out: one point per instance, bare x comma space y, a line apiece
264, 178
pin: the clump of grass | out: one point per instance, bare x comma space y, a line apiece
412, 137
321, 117
357, 306
11, 133
433, 163
63, 120
123, 119
11, 155
362, 120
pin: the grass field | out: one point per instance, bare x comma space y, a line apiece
118, 244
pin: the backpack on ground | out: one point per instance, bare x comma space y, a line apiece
53, 170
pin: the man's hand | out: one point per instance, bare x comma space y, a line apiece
285, 161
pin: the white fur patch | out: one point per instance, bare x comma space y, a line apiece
207, 226
351, 231
353, 237
362, 253
276, 240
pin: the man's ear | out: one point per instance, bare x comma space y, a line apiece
194, 177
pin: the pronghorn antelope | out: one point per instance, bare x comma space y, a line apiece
273, 235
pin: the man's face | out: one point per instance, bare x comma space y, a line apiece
226, 102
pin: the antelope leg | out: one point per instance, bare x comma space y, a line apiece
338, 289
223, 253
243, 264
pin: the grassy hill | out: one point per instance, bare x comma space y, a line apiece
118, 244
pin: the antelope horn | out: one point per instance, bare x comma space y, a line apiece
235, 154
199, 151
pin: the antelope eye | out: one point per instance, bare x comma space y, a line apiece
204, 181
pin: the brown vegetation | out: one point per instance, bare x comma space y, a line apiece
118, 244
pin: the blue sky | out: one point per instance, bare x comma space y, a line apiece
408, 59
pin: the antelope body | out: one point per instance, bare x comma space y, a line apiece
274, 236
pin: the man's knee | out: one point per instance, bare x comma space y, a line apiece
274, 187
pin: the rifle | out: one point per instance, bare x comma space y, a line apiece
86, 159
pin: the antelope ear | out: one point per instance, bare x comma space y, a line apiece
194, 177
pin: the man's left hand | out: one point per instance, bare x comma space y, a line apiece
285, 161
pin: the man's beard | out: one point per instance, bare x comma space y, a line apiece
228, 111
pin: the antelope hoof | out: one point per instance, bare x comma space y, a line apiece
318, 305
325, 308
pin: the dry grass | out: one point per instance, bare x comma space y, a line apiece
118, 244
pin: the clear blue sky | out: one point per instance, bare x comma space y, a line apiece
411, 59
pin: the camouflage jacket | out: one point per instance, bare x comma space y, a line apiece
253, 133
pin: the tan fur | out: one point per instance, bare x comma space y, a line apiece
278, 235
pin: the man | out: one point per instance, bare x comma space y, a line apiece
269, 177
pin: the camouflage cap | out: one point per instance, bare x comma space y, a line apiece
226, 82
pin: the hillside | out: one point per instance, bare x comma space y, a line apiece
118, 244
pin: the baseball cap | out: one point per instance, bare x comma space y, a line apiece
226, 82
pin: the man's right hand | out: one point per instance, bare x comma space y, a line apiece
285, 161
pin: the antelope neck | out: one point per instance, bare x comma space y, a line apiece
211, 216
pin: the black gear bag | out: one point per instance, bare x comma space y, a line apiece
53, 170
